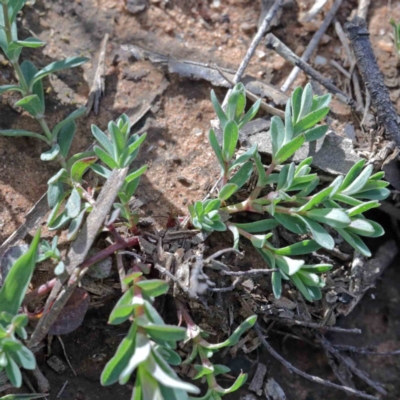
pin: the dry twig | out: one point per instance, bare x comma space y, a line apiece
273, 43
256, 40
313, 44
98, 85
311, 378
372, 76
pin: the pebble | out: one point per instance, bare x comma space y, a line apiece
135, 6
350, 131
184, 181
262, 55
248, 27
320, 60
56, 364
161, 143
197, 132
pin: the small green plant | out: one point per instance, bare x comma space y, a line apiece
290, 198
30, 85
13, 353
396, 34
149, 345
204, 350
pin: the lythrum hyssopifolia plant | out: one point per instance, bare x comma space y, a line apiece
292, 197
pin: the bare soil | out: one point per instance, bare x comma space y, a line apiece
181, 164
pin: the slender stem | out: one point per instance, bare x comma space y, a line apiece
45, 127
9, 37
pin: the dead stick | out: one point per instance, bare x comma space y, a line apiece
256, 40
363, 350
362, 10
350, 57
312, 378
359, 40
273, 43
313, 44
351, 365
76, 256
98, 86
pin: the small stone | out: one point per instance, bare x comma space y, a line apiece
161, 143
177, 160
135, 6
350, 131
185, 201
248, 27
184, 181
319, 60
56, 364
197, 132
299, 49
262, 55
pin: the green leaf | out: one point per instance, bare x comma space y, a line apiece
362, 208
319, 234
352, 174
73, 206
250, 114
31, 42
119, 361
334, 217
16, 283
68, 121
227, 191
359, 182
51, 154
211, 205
258, 226
277, 134
288, 149
118, 139
260, 240
234, 338
310, 279
123, 309
376, 194
296, 103
100, 170
165, 332
354, 241
317, 268
29, 70
13, 372
297, 249
32, 104
291, 223
8, 88
30, 396
218, 109
361, 227
316, 133
276, 280
153, 287
54, 193
378, 230
317, 199
231, 136
105, 157
70, 62
132, 150
310, 120
60, 267
244, 157
289, 266
24, 357
300, 285
288, 122
216, 147
79, 168
103, 140
239, 382
136, 174
20, 133
306, 101
243, 175
15, 7
141, 354
60, 222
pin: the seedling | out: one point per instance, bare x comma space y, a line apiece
290, 198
